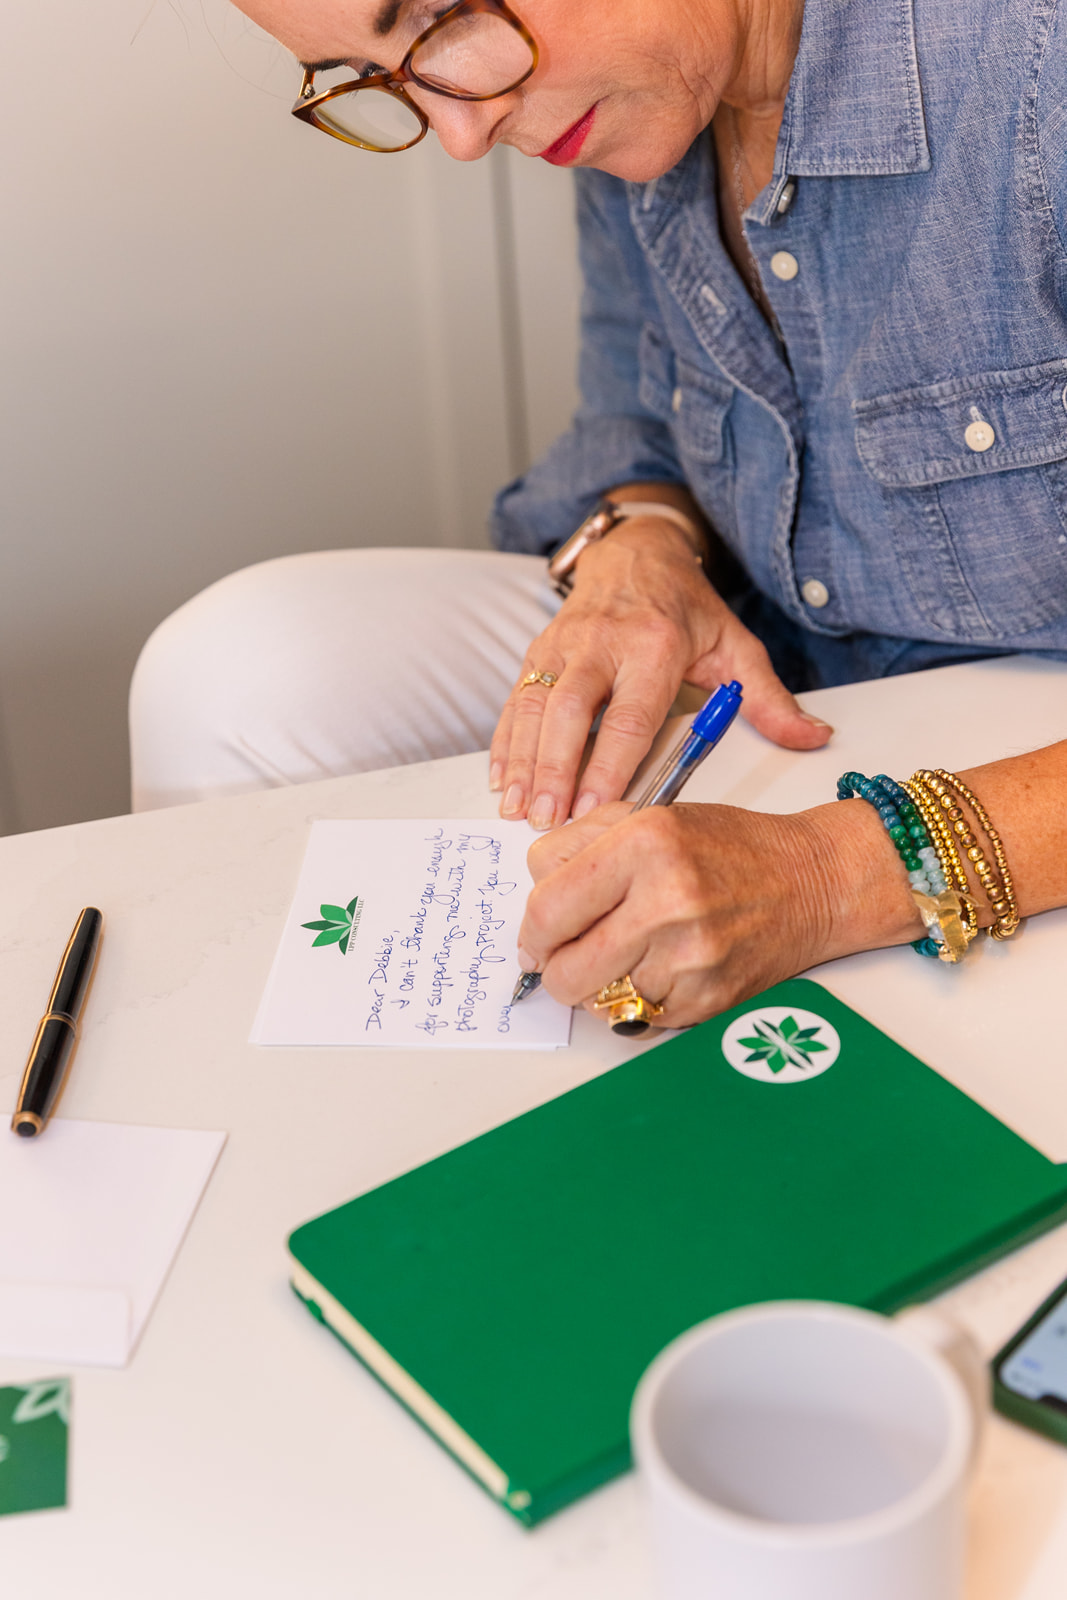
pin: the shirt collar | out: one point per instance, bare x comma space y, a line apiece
854, 107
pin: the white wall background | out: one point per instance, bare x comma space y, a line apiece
225, 337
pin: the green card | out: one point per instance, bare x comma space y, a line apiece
33, 1445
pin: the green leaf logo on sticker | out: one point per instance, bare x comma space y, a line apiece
42, 1399
781, 1044
337, 925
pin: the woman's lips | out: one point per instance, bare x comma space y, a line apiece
568, 148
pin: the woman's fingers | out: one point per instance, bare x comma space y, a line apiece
666, 965
499, 745
768, 704
517, 732
568, 715
614, 948
568, 901
553, 849
546, 729
613, 909
526, 708
640, 701
686, 998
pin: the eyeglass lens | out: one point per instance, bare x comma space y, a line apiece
476, 55
373, 116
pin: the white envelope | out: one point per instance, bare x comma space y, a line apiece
92, 1215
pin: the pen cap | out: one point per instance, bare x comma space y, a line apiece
76, 967
713, 719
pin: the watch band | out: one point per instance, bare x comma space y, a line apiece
608, 514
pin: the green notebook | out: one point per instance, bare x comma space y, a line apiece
511, 1292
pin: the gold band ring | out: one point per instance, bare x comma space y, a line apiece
548, 679
628, 1010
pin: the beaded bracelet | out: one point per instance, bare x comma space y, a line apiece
944, 788
951, 862
950, 918
938, 905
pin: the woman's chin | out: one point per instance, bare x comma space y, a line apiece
640, 163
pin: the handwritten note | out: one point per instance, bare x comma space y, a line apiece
404, 933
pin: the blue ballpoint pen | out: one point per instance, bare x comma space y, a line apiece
708, 726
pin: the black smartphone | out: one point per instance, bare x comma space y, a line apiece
1030, 1373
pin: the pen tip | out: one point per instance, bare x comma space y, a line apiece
528, 982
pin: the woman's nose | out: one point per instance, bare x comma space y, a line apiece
466, 129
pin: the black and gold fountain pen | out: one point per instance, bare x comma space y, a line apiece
57, 1030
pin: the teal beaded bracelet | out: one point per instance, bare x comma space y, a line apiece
906, 828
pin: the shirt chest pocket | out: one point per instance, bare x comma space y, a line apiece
691, 400
974, 476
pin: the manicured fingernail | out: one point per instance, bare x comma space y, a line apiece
584, 804
512, 801
542, 812
496, 777
526, 961
816, 722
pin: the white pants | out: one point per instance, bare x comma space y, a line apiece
313, 666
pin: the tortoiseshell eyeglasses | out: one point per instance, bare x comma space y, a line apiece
477, 50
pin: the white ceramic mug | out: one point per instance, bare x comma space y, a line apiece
804, 1451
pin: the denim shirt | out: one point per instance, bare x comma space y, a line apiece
895, 467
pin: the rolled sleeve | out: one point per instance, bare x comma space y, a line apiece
614, 439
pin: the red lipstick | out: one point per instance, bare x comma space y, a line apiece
568, 147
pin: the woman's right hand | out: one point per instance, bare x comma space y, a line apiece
640, 620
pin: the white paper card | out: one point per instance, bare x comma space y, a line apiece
404, 933
92, 1215
50, 1322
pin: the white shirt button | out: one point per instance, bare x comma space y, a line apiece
785, 199
784, 265
979, 436
815, 593
676, 401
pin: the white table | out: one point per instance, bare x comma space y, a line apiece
243, 1452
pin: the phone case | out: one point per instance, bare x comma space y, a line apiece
1037, 1414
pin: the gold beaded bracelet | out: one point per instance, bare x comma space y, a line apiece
947, 853
948, 791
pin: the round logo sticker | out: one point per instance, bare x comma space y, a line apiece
781, 1044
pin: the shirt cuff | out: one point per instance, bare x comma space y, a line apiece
536, 512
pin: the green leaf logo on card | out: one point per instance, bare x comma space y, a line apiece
781, 1044
339, 925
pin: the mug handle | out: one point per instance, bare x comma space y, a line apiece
956, 1345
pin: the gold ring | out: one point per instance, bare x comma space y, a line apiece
628, 1010
548, 679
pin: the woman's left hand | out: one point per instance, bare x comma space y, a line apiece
705, 905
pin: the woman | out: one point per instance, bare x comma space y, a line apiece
825, 351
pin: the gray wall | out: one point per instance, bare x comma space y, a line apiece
226, 337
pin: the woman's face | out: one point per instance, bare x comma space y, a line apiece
623, 85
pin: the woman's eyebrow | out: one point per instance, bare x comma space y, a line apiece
384, 23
